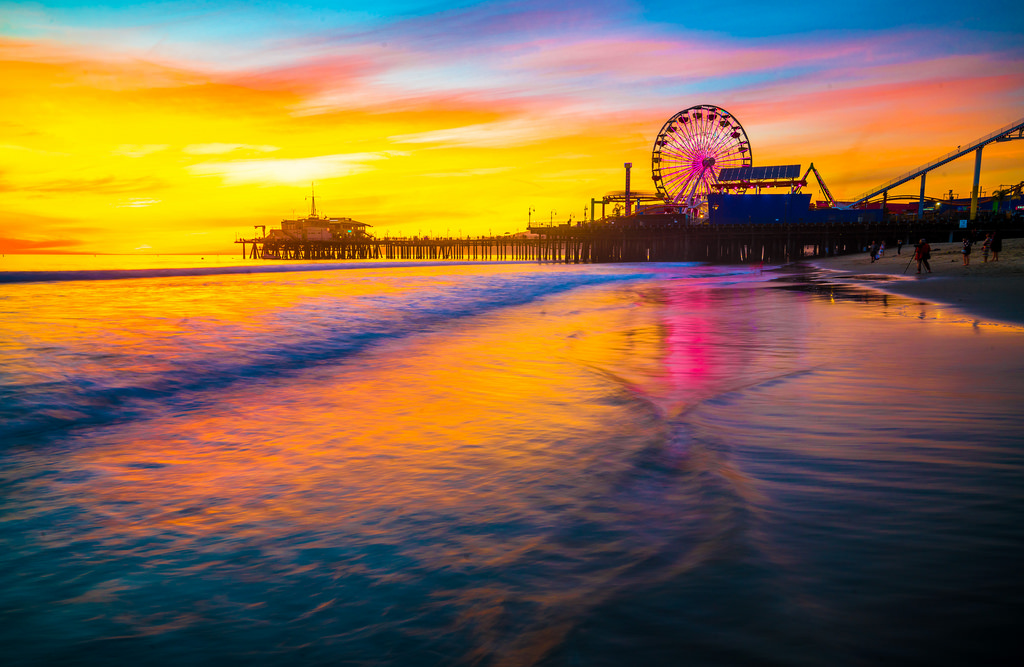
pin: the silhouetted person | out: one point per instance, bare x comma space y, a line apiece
985, 247
899, 245
965, 250
997, 246
922, 253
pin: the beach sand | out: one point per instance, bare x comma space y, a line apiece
992, 290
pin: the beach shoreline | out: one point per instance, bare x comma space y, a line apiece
988, 290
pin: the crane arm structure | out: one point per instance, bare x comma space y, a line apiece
821, 183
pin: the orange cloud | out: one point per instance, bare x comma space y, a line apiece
169, 155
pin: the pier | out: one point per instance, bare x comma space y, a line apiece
648, 238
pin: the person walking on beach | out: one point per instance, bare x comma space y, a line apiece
965, 250
922, 253
899, 245
881, 250
997, 245
985, 247
874, 251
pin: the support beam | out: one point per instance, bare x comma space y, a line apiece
920, 202
977, 178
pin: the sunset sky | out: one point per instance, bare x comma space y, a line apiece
169, 127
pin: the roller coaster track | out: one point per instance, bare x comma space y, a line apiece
1002, 134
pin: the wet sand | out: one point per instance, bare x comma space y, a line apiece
992, 290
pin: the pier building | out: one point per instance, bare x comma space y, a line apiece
316, 228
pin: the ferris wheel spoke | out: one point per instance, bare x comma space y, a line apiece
678, 143
683, 146
682, 178
675, 169
682, 135
683, 185
695, 141
678, 154
706, 125
679, 179
680, 168
707, 146
721, 140
731, 156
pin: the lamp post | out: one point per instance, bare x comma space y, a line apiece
552, 218
529, 212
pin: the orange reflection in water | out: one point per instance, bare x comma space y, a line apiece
550, 455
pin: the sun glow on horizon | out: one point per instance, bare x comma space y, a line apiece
128, 134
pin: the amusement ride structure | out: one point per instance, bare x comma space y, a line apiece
701, 151
1012, 132
690, 151
704, 150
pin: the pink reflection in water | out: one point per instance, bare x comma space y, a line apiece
505, 480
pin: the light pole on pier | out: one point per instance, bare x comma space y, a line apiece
628, 165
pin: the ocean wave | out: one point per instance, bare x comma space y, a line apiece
61, 380
67, 382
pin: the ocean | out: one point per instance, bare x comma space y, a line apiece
210, 461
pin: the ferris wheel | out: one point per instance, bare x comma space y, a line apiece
692, 147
